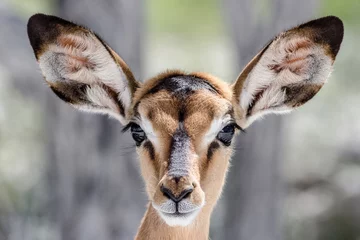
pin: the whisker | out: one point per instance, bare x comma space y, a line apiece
128, 147
238, 148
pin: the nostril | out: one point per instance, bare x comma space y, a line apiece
168, 193
184, 194
187, 193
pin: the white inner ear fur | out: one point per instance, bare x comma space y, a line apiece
83, 58
286, 61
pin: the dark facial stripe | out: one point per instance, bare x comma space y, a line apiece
183, 86
150, 148
212, 148
179, 153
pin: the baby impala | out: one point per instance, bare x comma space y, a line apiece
183, 124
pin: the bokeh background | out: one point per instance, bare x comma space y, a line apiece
74, 176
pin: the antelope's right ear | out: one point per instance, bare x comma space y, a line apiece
289, 71
80, 68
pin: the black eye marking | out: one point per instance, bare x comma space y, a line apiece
148, 145
227, 133
212, 148
137, 133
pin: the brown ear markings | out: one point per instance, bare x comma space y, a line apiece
80, 68
71, 92
327, 31
299, 93
46, 29
76, 94
289, 71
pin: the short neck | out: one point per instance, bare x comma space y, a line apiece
153, 227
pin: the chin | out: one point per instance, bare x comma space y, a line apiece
179, 219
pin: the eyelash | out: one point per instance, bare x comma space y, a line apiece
232, 122
127, 127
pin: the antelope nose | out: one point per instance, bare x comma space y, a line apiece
169, 194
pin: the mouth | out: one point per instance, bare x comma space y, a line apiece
178, 214
177, 218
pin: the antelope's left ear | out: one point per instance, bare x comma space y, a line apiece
289, 71
80, 68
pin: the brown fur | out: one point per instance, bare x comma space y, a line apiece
200, 109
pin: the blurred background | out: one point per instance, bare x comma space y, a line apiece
70, 175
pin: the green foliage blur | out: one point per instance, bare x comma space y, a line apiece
347, 10
190, 17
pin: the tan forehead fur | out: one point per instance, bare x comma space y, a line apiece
200, 108
222, 87
162, 109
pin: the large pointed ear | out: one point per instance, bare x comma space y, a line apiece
80, 68
289, 71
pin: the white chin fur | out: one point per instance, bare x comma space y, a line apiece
179, 220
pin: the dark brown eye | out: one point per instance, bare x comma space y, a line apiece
137, 133
226, 134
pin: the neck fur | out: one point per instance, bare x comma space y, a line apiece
153, 227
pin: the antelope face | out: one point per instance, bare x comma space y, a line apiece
184, 124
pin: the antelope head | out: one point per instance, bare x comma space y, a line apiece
184, 124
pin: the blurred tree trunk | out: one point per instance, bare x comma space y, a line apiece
253, 195
93, 174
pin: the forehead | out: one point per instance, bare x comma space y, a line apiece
194, 99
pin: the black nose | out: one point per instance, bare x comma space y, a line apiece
169, 194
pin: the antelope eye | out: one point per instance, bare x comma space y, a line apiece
137, 133
226, 134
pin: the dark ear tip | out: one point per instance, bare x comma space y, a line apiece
36, 18
36, 23
328, 30
36, 28
337, 24
336, 33
328, 21
32, 26
43, 20
43, 29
